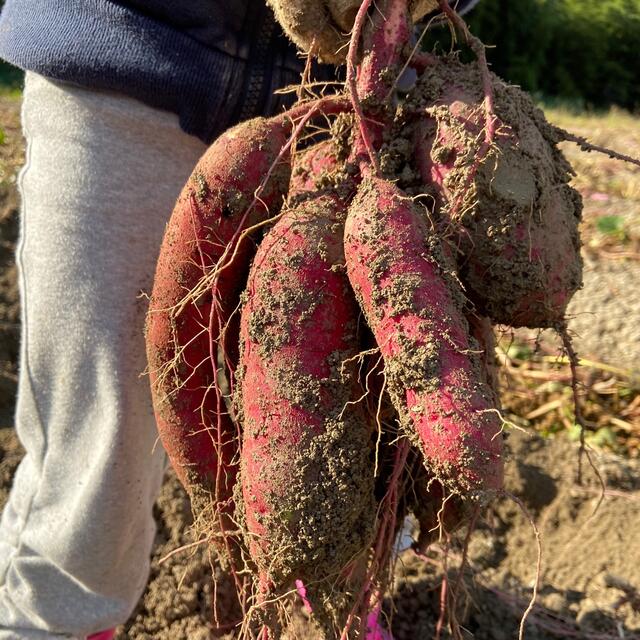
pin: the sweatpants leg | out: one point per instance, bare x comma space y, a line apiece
102, 174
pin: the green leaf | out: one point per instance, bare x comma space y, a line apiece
2, 136
519, 351
574, 432
552, 429
603, 437
610, 225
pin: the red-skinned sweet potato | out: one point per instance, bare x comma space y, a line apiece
515, 215
386, 31
306, 472
241, 180
182, 333
313, 167
397, 268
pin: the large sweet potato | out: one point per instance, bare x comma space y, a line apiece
306, 473
184, 328
512, 209
307, 482
398, 270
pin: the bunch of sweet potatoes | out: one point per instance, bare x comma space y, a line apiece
321, 317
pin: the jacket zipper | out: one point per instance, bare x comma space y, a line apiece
259, 66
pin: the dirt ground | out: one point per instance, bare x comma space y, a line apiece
589, 583
605, 312
590, 573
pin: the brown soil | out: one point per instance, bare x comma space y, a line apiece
178, 603
590, 582
612, 337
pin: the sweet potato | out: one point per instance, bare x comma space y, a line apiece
313, 167
515, 215
306, 472
435, 509
321, 27
386, 32
183, 330
344, 11
398, 270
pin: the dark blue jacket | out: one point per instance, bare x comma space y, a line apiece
212, 62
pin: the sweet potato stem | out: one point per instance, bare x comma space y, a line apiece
352, 83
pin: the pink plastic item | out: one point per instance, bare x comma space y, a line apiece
375, 631
302, 592
103, 635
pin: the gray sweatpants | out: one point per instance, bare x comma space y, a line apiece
100, 180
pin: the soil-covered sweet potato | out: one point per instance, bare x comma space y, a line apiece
306, 500
402, 278
344, 11
314, 168
310, 25
436, 510
512, 209
322, 27
184, 326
